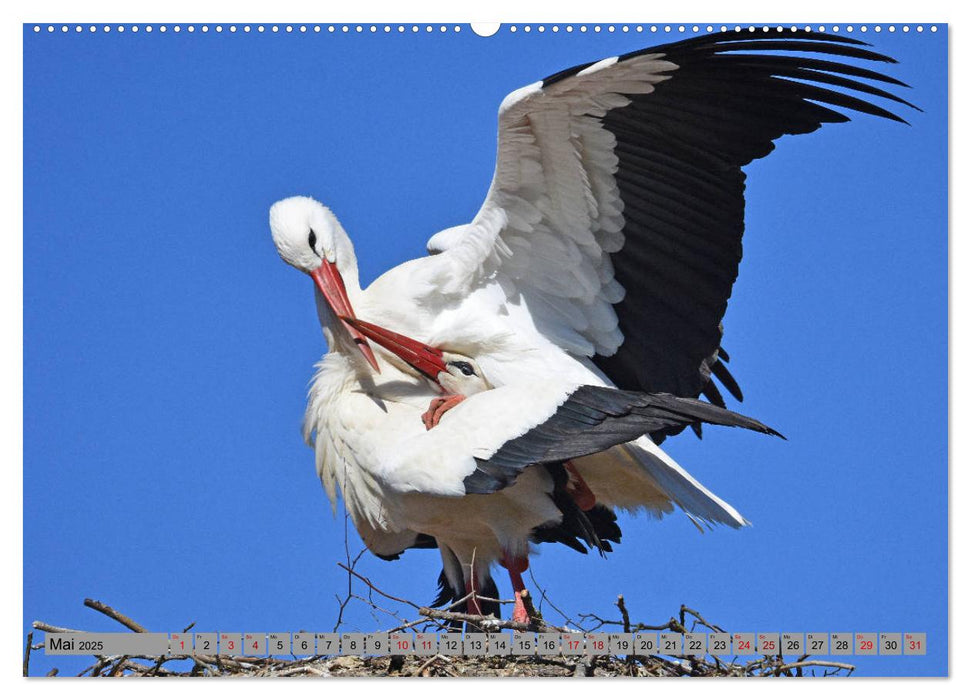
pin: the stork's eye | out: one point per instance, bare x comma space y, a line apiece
312, 240
463, 367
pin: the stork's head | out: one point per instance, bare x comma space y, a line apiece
461, 375
310, 238
451, 371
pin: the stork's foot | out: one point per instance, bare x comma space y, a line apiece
578, 489
438, 407
519, 613
516, 566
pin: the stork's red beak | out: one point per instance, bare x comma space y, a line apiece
331, 285
424, 358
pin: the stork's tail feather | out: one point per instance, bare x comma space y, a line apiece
422, 541
683, 489
687, 492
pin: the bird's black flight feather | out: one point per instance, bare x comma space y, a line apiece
681, 150
593, 419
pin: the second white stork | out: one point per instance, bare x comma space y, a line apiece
603, 255
483, 480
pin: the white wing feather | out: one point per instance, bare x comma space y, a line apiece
553, 213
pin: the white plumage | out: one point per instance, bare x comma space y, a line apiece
603, 255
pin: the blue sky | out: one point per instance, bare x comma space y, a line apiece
167, 349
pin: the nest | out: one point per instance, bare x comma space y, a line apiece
429, 619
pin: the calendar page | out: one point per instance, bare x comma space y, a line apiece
524, 349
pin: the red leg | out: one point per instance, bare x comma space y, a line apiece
578, 489
438, 407
516, 566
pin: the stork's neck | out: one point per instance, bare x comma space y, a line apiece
338, 339
346, 260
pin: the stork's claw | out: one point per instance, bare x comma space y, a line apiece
519, 613
438, 407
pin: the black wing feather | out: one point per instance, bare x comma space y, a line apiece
681, 150
593, 419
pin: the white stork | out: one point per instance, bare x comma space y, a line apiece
603, 256
483, 481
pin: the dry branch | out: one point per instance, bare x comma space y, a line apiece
207, 665
441, 665
114, 615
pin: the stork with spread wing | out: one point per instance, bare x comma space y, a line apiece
602, 259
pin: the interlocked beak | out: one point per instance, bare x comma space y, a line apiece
331, 285
424, 358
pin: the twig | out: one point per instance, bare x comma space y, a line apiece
158, 665
44, 627
367, 581
599, 620
533, 616
431, 659
199, 663
30, 641
624, 614
349, 567
490, 623
103, 662
699, 618
301, 669
820, 662
547, 599
114, 614
480, 620
347, 551
123, 661
672, 624
375, 606
416, 623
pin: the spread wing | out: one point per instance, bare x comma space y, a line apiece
616, 209
593, 419
484, 444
